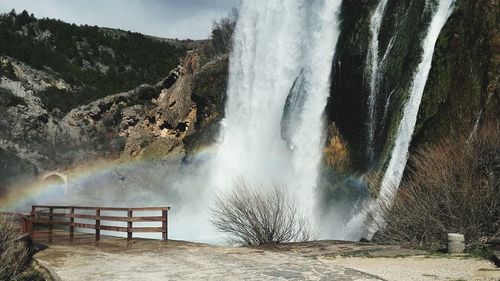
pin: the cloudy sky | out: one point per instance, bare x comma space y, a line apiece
164, 18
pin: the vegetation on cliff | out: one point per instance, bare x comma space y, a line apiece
453, 186
98, 61
222, 32
462, 88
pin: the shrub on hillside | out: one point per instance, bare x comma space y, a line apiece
222, 32
453, 186
14, 256
96, 61
259, 215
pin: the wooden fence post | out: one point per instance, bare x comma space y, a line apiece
33, 212
98, 225
71, 224
129, 224
51, 217
25, 227
165, 225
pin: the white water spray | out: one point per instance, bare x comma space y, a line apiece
399, 157
373, 66
274, 42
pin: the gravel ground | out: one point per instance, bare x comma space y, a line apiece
421, 268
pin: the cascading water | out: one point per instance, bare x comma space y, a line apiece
276, 43
373, 67
273, 129
397, 163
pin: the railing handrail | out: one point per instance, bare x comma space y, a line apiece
107, 218
48, 219
118, 209
14, 214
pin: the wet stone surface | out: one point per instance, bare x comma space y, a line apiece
115, 259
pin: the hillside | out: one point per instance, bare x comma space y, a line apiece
71, 94
95, 61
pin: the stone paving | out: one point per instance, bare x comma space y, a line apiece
138, 259
115, 259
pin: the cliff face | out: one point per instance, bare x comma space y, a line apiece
70, 94
173, 117
462, 87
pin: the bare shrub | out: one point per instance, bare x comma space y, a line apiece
14, 256
453, 186
259, 215
222, 32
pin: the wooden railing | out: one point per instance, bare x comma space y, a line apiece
72, 217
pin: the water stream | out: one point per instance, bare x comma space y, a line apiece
399, 156
278, 43
373, 68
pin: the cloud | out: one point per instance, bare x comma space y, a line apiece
164, 18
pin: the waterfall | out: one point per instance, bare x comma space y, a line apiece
294, 105
373, 66
397, 163
275, 41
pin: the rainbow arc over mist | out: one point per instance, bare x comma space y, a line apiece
20, 196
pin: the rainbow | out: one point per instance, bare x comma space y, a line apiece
21, 196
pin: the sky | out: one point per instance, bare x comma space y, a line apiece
182, 19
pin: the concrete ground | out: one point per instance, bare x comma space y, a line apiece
118, 259
422, 268
154, 260
395, 262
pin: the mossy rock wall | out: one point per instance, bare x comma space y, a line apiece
461, 87
400, 35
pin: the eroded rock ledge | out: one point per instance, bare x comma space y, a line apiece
175, 116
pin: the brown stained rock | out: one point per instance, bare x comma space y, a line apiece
170, 120
182, 111
335, 152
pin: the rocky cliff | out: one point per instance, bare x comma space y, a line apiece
173, 116
70, 94
462, 88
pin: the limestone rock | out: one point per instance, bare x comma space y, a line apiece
146, 122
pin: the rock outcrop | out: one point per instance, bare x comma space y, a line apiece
461, 92
173, 117
161, 132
